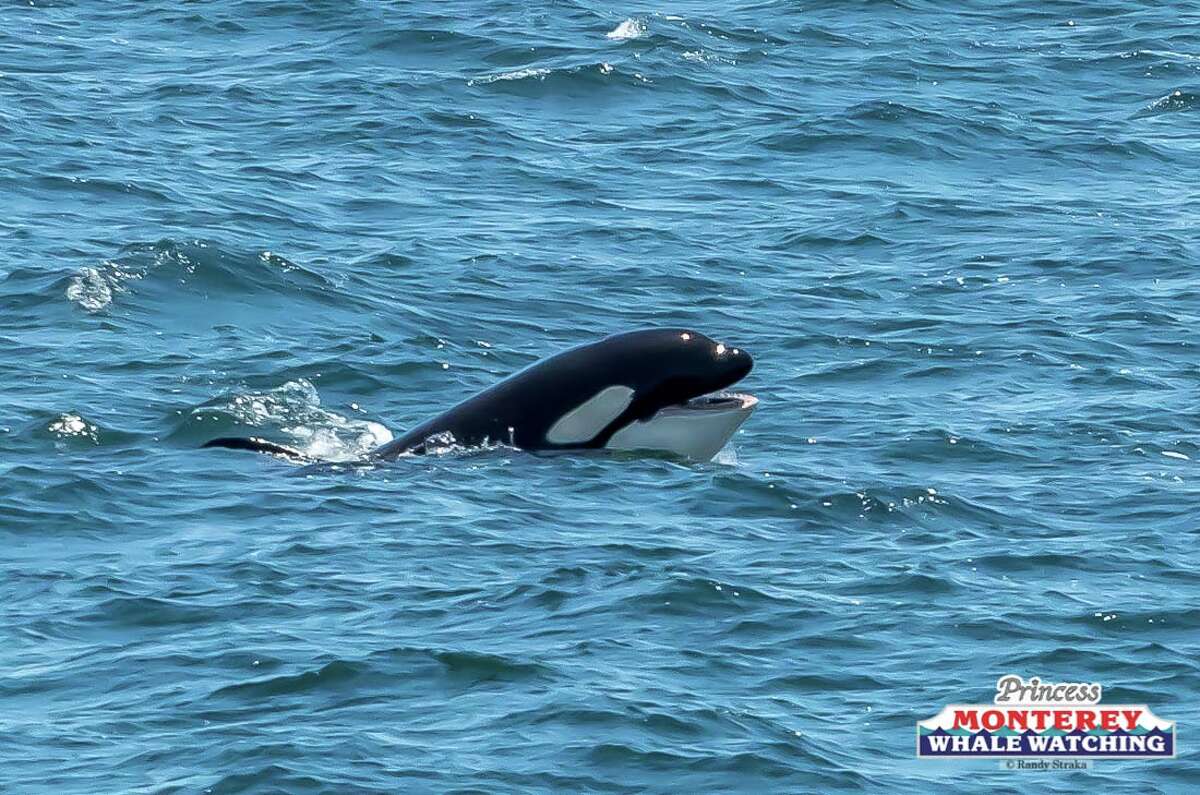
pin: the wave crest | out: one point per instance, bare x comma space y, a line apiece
196, 264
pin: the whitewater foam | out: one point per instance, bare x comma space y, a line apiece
629, 29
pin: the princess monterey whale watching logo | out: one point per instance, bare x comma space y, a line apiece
1036, 719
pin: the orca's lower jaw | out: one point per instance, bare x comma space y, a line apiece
697, 429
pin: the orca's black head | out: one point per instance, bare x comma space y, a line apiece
676, 366
674, 396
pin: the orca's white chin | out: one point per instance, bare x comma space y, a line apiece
697, 429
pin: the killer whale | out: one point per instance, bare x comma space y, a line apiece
653, 389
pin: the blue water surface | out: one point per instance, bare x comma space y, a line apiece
959, 239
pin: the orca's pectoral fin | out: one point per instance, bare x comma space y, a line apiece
258, 445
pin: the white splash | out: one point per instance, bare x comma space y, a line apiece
295, 408
90, 289
94, 288
343, 441
444, 444
629, 29
72, 425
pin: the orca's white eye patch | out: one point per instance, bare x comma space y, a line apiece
583, 422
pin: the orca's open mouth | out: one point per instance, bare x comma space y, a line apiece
715, 401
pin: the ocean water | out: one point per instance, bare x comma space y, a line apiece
960, 241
